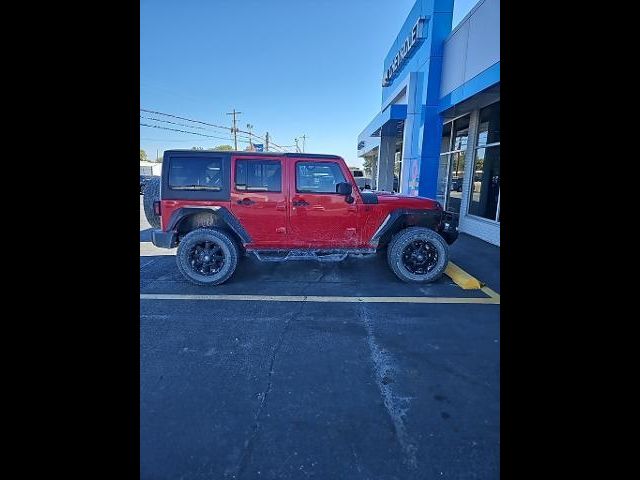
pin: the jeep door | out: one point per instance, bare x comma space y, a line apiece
318, 216
258, 199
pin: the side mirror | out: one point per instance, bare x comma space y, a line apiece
344, 188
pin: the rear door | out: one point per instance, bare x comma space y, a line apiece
258, 199
319, 217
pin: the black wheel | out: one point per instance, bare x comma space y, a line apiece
207, 256
151, 194
418, 255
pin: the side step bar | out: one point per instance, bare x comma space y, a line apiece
331, 255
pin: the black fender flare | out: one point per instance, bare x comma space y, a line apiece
222, 213
402, 218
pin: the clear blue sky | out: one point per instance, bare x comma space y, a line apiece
292, 67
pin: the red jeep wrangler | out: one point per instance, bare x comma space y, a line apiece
216, 206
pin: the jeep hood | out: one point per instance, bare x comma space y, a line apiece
406, 201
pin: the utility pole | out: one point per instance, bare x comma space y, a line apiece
250, 127
304, 138
234, 129
266, 138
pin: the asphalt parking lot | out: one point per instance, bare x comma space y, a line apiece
249, 386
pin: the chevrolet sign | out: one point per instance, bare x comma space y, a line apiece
407, 46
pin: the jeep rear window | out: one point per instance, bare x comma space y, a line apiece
194, 173
318, 177
258, 176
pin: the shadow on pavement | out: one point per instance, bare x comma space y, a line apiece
352, 277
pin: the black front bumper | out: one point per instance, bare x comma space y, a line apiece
449, 227
164, 239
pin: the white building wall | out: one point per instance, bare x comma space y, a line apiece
156, 168
472, 47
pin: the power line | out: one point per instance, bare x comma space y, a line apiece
201, 122
195, 126
166, 140
230, 129
183, 118
184, 131
173, 123
270, 144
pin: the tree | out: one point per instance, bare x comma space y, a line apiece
223, 147
143, 155
369, 165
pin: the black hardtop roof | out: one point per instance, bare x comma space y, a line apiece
251, 154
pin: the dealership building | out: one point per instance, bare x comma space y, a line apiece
437, 133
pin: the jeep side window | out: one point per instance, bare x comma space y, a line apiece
258, 176
318, 177
193, 173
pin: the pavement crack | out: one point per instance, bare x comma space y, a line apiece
396, 405
249, 443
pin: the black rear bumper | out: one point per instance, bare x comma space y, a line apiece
164, 239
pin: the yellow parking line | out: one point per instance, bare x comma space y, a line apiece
462, 278
321, 299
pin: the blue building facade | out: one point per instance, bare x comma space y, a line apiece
437, 134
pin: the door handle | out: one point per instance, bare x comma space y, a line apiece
246, 201
300, 203
317, 207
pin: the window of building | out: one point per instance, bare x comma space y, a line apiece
445, 146
258, 176
195, 173
397, 170
484, 200
443, 179
455, 136
489, 126
318, 177
460, 133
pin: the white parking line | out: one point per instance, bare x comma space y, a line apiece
147, 263
320, 299
148, 249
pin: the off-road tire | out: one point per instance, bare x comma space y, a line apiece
219, 237
402, 240
151, 194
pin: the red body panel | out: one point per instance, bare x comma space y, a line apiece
265, 220
328, 221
